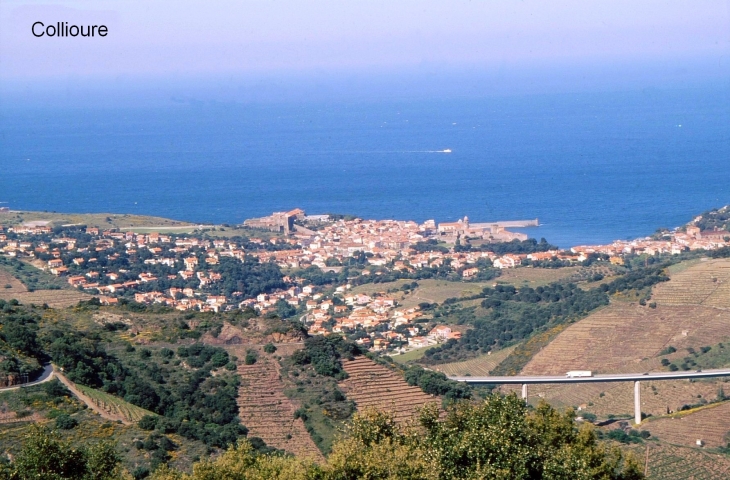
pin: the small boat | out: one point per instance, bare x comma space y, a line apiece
448, 150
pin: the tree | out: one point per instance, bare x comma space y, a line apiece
45, 456
498, 439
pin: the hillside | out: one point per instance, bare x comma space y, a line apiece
267, 412
101, 220
374, 386
669, 462
685, 329
625, 337
480, 366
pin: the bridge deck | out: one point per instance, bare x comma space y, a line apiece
614, 377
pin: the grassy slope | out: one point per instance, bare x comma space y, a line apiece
480, 366
102, 220
625, 337
39, 406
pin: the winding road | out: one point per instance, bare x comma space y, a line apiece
45, 376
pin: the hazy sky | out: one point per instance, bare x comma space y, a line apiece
180, 39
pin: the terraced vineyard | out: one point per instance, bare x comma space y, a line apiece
114, 406
373, 385
617, 338
52, 298
268, 413
705, 283
480, 366
667, 462
628, 338
657, 398
709, 424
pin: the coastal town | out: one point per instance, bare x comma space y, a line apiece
315, 264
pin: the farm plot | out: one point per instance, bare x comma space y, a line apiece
705, 283
436, 291
710, 425
618, 338
9, 285
114, 406
534, 277
667, 462
267, 413
52, 298
604, 399
478, 367
373, 385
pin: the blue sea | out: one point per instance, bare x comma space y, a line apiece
593, 167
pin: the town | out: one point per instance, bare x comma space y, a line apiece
308, 268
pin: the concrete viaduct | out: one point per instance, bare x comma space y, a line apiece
637, 378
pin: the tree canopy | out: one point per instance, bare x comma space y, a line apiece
497, 439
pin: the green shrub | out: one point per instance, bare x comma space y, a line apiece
148, 422
250, 358
668, 350
66, 422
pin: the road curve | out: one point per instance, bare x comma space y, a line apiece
612, 377
45, 376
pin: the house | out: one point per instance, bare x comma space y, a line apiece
440, 333
76, 280
59, 271
418, 342
186, 274
506, 261
469, 272
55, 263
104, 300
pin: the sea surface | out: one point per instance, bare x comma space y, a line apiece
592, 167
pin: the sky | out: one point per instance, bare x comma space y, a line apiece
474, 46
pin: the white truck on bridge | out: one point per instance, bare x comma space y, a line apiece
579, 373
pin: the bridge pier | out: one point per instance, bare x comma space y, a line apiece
637, 402
524, 392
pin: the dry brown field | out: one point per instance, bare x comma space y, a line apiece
616, 339
709, 424
534, 277
704, 283
374, 386
657, 398
102, 220
52, 298
480, 366
267, 412
626, 338
16, 286
668, 462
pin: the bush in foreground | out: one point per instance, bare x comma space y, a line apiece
46, 456
498, 439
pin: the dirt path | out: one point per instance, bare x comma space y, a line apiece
89, 403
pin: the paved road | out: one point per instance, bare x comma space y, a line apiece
45, 376
613, 377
